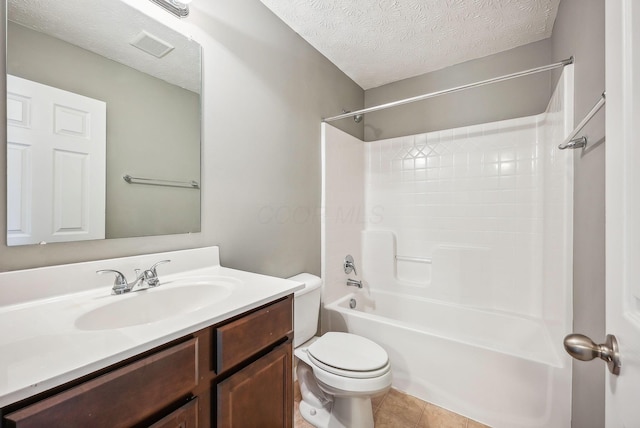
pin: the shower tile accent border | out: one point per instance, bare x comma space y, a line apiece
395, 409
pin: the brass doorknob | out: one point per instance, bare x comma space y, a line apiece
583, 348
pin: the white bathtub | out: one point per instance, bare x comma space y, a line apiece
495, 368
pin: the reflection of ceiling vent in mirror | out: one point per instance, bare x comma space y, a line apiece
151, 44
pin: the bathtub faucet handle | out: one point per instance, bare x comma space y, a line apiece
349, 266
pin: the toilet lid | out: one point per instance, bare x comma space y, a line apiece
348, 352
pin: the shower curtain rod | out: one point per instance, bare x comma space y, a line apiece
451, 90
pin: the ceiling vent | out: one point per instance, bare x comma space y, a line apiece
151, 44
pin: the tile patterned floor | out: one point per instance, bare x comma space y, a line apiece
398, 410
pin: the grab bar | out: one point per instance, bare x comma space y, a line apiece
159, 182
571, 142
413, 259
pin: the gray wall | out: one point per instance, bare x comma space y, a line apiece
153, 130
265, 92
515, 98
579, 31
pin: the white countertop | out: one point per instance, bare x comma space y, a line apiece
41, 345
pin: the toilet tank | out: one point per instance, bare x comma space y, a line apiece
306, 308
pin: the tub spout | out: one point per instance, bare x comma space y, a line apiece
354, 282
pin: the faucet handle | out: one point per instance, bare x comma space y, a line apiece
153, 268
120, 284
348, 265
151, 275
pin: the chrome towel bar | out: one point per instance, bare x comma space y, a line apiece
159, 182
571, 142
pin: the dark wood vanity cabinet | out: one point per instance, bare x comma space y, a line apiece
237, 373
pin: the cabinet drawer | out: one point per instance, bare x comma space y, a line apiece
120, 398
242, 338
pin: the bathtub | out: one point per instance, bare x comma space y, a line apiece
496, 368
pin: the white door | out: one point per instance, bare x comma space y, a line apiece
56, 157
623, 208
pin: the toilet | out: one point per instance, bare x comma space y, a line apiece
338, 373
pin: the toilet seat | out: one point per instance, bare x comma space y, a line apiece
349, 355
349, 373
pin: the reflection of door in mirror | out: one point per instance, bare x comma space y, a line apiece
56, 148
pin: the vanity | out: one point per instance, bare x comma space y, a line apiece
209, 346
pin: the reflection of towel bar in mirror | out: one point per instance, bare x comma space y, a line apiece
159, 182
413, 259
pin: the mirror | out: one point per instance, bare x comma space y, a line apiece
96, 91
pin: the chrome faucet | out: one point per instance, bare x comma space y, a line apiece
354, 282
148, 276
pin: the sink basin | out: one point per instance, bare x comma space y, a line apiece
157, 304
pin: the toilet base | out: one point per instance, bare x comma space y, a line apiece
345, 412
319, 418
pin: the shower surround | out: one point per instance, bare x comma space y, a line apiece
463, 238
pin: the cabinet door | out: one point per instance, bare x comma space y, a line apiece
184, 417
260, 395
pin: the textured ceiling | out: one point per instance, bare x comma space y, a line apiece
381, 41
106, 27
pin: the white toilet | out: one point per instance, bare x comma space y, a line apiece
338, 373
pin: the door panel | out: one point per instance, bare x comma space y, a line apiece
623, 208
19, 189
70, 196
